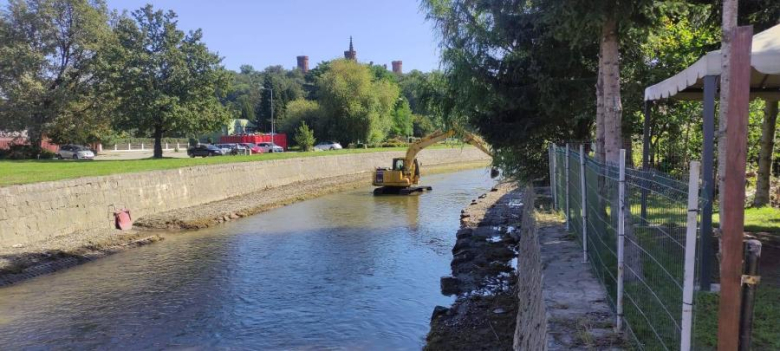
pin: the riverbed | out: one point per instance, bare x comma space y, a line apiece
344, 271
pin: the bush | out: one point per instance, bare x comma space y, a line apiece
304, 137
25, 152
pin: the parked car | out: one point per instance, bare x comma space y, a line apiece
76, 152
204, 150
234, 149
328, 145
253, 148
270, 147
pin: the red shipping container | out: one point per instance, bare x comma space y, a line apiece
278, 139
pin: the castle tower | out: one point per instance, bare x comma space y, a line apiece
398, 67
303, 63
351, 54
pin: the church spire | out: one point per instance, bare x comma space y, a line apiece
351, 54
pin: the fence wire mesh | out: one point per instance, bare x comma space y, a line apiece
655, 222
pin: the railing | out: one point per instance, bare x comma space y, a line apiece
638, 230
143, 146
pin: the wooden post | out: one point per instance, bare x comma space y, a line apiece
733, 216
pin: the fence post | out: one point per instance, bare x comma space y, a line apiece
128, 146
167, 146
584, 207
551, 158
177, 146
555, 176
621, 242
116, 147
142, 146
690, 258
750, 281
567, 187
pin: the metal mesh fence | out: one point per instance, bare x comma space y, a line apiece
655, 223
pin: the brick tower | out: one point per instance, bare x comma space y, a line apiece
398, 67
351, 54
303, 64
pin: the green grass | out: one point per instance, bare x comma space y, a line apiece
758, 219
766, 334
33, 171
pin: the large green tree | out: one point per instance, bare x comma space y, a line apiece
356, 104
168, 80
50, 53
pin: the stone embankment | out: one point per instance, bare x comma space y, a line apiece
49, 226
520, 282
483, 270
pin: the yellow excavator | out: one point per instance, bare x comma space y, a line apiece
404, 175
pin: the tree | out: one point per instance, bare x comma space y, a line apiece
403, 121
168, 80
356, 106
304, 137
765, 154
50, 51
302, 111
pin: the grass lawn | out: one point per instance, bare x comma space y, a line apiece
33, 171
766, 334
758, 219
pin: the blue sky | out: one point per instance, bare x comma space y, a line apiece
273, 32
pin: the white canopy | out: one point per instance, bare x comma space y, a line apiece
765, 72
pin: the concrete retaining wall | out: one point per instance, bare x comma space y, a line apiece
33, 212
531, 329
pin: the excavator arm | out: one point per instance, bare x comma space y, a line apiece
436, 137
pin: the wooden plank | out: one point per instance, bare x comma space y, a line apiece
733, 216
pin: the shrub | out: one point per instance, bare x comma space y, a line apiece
304, 137
25, 152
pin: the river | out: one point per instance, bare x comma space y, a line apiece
344, 271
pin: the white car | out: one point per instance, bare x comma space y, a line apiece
328, 145
76, 152
270, 147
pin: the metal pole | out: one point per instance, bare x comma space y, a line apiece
584, 207
555, 177
273, 130
689, 270
645, 158
551, 152
708, 182
567, 187
621, 238
750, 281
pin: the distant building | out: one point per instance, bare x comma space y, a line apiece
303, 63
351, 54
398, 67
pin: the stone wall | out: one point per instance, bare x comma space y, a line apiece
33, 212
531, 330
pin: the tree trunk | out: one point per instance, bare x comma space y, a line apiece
613, 108
158, 134
600, 156
728, 26
765, 154
35, 135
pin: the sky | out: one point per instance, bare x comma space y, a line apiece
262, 33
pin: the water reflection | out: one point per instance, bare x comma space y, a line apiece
346, 271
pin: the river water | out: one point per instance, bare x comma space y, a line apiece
344, 271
